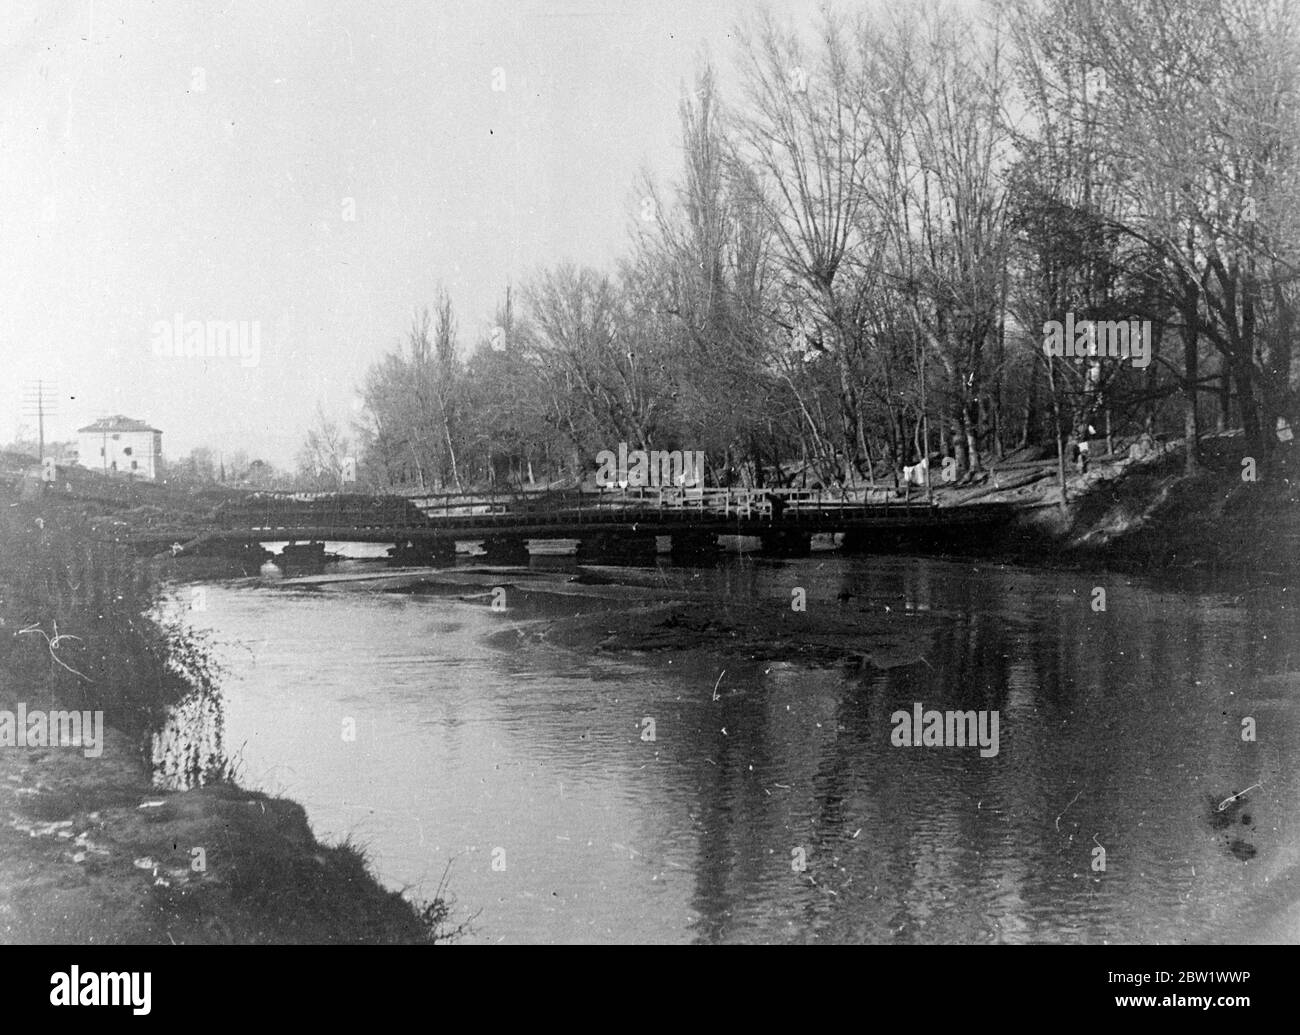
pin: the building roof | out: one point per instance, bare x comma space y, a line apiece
117, 423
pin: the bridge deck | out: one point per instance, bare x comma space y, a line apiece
541, 515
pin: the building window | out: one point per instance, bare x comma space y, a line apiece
126, 451
134, 466
101, 450
116, 437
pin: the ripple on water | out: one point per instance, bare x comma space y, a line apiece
1115, 729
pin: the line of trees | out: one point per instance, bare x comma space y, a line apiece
853, 267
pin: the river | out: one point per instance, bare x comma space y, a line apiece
766, 799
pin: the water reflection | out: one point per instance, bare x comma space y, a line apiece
1116, 730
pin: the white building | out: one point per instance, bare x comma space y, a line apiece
120, 445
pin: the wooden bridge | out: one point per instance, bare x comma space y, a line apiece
425, 529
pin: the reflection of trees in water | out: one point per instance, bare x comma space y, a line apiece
1108, 723
730, 818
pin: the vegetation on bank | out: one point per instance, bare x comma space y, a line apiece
873, 225
1230, 516
93, 849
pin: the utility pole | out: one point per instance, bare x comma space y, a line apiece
38, 401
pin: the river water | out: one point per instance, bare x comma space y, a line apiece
772, 804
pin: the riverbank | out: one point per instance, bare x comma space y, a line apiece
91, 851
1236, 517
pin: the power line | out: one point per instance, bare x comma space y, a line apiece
39, 401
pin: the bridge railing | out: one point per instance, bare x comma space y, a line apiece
788, 505
741, 503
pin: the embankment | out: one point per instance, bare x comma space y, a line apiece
1236, 517
91, 851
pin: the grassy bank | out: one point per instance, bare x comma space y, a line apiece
1236, 517
1230, 519
91, 850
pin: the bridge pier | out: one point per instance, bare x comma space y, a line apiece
786, 543
617, 547
249, 556
302, 557
426, 553
860, 541
506, 549
918, 538
888, 540
226, 556
695, 547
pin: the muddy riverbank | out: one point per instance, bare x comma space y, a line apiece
91, 850
92, 853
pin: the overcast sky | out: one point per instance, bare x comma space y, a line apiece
198, 159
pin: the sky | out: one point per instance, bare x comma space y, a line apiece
309, 172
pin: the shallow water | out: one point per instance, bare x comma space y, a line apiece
529, 770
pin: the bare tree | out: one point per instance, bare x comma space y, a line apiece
804, 135
322, 460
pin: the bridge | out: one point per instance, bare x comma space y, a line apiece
609, 523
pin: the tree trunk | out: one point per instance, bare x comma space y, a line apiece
419, 470
961, 442
1223, 417
1278, 364
973, 439
1243, 373
1031, 414
1191, 348
1060, 431
1254, 412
